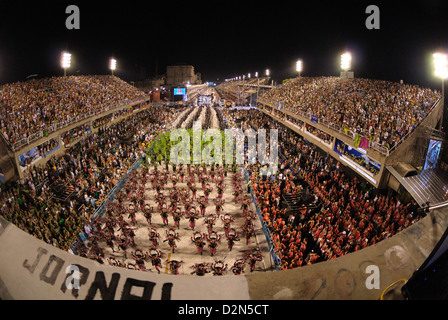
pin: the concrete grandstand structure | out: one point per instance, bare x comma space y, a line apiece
410, 151
46, 130
33, 269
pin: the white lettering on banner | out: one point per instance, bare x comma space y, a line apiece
77, 276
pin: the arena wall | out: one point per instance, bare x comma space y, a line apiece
31, 269
406, 152
13, 155
329, 148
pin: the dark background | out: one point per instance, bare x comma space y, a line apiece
224, 39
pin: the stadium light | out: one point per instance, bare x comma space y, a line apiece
346, 61
267, 72
441, 69
299, 66
66, 59
441, 65
112, 65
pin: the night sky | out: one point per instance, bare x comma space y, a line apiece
224, 39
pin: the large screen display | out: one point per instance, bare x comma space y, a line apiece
433, 154
180, 91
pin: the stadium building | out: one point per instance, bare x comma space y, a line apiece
105, 126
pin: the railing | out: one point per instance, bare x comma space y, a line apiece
335, 127
266, 231
99, 212
55, 126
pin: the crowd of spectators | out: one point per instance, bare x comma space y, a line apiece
90, 169
76, 133
381, 111
239, 91
344, 216
31, 106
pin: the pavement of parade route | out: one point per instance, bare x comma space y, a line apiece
185, 250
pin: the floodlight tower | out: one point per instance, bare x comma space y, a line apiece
268, 74
346, 61
66, 59
441, 69
299, 66
346, 64
112, 65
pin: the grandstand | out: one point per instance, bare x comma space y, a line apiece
348, 148
370, 126
243, 92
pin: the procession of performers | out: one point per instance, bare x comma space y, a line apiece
116, 228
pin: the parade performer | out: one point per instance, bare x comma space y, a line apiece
253, 255
192, 216
164, 214
140, 258
155, 255
132, 210
202, 204
213, 239
147, 212
123, 243
200, 269
177, 215
219, 267
209, 221
198, 239
238, 266
207, 191
232, 236
154, 237
171, 237
248, 230
227, 219
219, 204
174, 266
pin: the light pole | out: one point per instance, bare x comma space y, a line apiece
112, 65
299, 66
268, 74
66, 59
